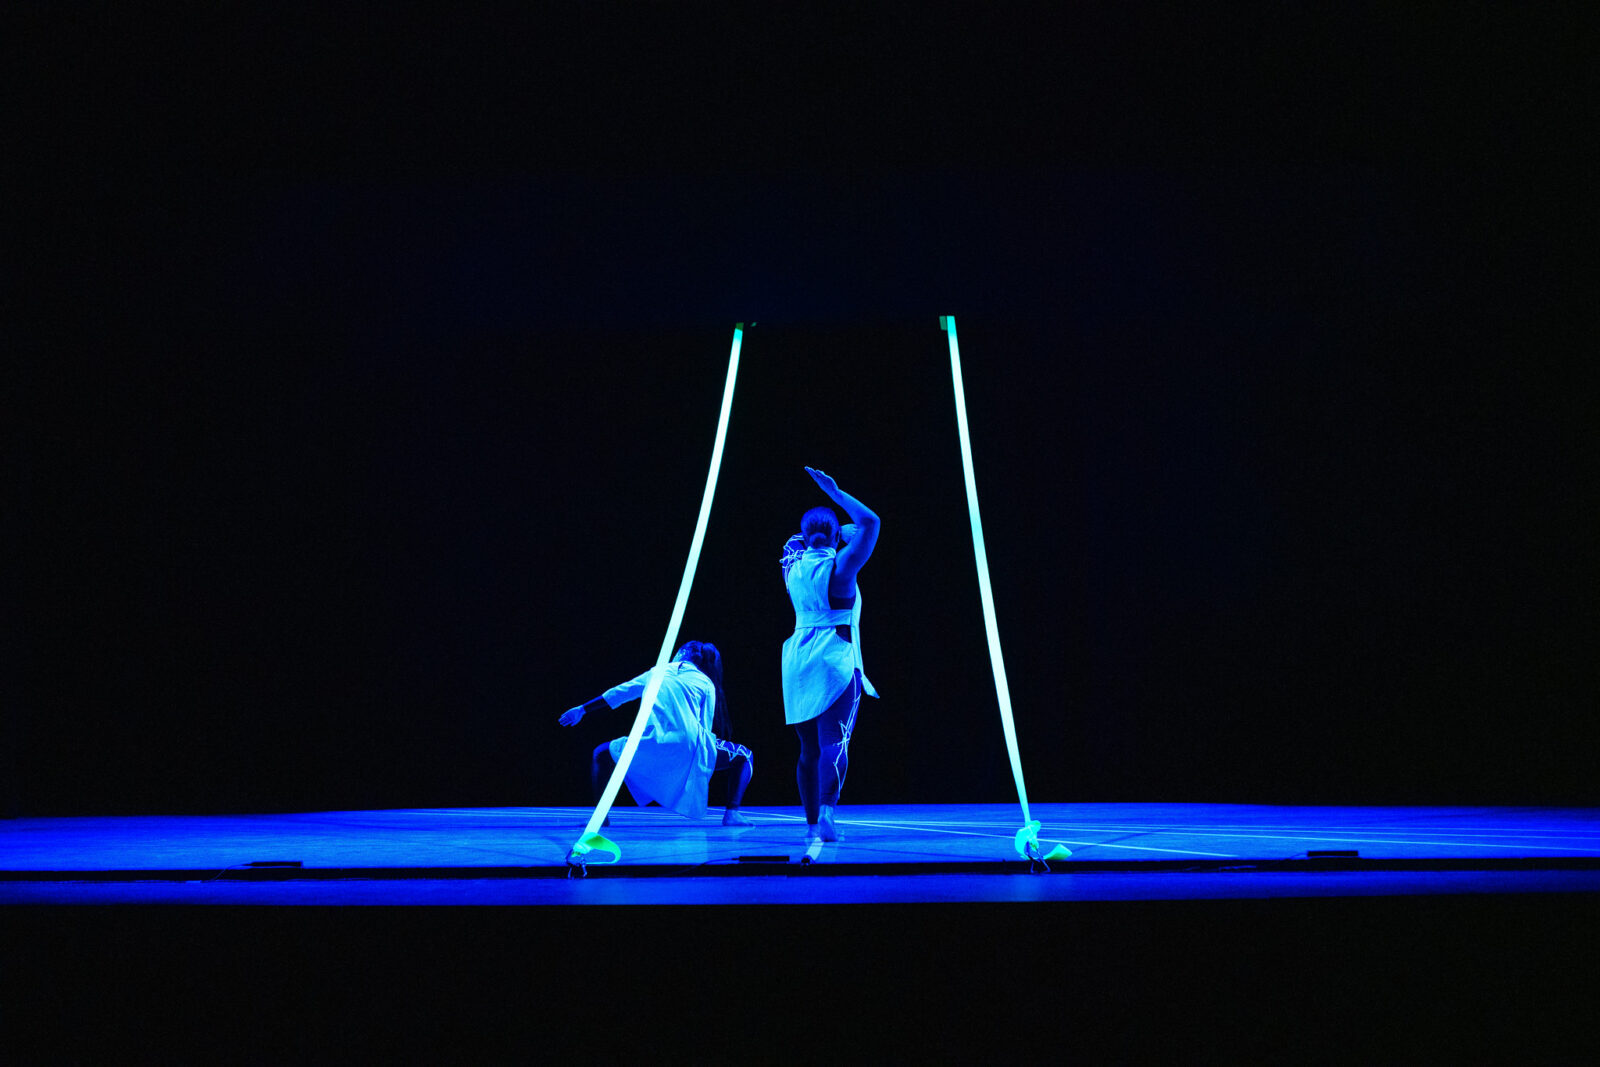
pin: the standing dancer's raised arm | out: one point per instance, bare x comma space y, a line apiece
855, 553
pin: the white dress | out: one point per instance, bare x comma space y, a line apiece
817, 662
677, 751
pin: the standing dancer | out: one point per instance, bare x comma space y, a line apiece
822, 675
680, 748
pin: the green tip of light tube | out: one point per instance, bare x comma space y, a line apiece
591, 847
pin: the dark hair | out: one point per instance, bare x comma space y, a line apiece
706, 658
819, 521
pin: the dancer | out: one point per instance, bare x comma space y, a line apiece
822, 674
683, 743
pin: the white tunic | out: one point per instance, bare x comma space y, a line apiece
677, 751
817, 662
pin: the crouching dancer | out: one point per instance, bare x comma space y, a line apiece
683, 743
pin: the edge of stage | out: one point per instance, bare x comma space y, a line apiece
1175, 933
888, 854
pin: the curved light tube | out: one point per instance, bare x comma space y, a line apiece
1028, 836
653, 686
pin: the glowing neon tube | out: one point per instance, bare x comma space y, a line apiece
585, 845
1028, 835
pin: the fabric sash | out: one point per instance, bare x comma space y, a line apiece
850, 617
804, 620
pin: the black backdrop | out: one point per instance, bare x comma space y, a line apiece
366, 377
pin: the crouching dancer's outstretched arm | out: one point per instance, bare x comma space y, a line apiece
600, 762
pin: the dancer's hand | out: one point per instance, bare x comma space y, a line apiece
848, 532
571, 717
828, 485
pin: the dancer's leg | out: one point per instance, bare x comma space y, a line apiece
806, 768
833, 735
740, 765
600, 767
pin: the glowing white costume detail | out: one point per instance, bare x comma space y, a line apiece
817, 662
677, 751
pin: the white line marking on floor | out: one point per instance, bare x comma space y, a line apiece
1011, 837
1314, 836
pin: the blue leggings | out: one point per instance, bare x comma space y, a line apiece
825, 750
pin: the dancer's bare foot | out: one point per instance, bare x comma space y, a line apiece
825, 828
735, 817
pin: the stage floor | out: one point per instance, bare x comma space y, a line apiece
888, 853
